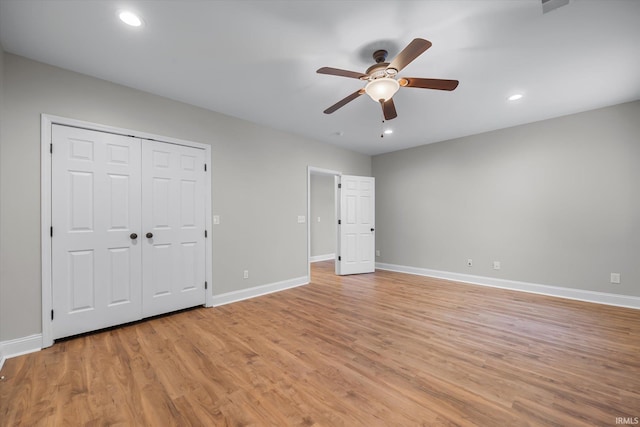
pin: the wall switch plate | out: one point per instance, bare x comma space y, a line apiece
470, 262
615, 278
377, 252
301, 219
245, 275
216, 219
318, 219
496, 265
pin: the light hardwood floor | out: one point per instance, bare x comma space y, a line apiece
370, 350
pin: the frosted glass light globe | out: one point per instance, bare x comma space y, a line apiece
382, 89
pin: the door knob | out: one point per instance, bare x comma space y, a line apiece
133, 236
373, 229
149, 235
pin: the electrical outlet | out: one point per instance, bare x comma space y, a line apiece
301, 219
469, 262
496, 265
615, 278
246, 274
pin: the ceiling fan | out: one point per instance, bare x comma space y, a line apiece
381, 78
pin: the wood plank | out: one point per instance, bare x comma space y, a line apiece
371, 350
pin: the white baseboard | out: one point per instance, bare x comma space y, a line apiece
554, 291
325, 257
257, 291
19, 346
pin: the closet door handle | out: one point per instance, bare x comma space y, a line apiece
133, 236
149, 235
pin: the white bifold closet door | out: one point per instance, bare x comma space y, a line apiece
108, 192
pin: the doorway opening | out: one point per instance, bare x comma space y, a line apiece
322, 233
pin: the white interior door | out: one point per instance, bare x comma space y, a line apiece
173, 215
356, 225
96, 259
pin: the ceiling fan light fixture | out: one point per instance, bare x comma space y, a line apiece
381, 80
382, 89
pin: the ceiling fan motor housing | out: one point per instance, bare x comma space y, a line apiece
380, 68
376, 71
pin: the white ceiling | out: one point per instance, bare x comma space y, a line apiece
257, 59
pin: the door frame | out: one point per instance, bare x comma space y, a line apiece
46, 122
312, 170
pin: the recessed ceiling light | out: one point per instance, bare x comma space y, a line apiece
130, 18
515, 97
388, 131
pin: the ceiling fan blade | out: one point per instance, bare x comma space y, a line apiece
341, 73
439, 84
411, 52
344, 101
389, 109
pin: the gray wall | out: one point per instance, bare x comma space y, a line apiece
1, 202
259, 181
557, 202
323, 233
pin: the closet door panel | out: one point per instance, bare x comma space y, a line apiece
173, 216
96, 203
